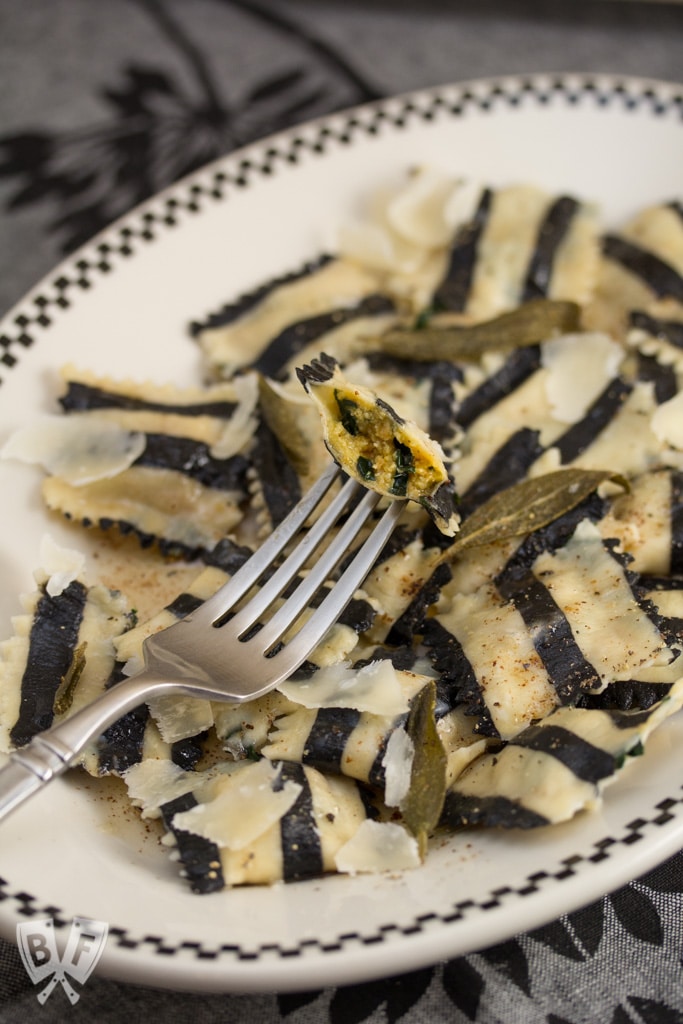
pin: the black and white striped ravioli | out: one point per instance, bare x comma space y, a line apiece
61, 657
553, 769
513, 669
293, 820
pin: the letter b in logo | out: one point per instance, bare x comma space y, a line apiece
38, 949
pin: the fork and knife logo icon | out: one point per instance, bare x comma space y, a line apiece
38, 949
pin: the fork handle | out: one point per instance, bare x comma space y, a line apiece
26, 772
50, 753
17, 783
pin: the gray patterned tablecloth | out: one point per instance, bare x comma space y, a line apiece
94, 100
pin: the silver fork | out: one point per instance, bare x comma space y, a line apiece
216, 654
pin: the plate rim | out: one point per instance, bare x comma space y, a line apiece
229, 969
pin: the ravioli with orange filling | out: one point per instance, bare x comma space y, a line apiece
373, 444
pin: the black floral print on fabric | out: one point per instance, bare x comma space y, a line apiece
394, 997
156, 128
463, 985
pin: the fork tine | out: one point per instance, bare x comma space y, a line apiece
264, 598
296, 650
301, 597
245, 577
220, 665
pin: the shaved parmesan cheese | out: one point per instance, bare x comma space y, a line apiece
244, 805
398, 765
408, 223
579, 367
179, 717
62, 565
376, 248
378, 846
461, 205
375, 688
667, 421
418, 211
153, 782
239, 431
77, 450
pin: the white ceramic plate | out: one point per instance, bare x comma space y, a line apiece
122, 306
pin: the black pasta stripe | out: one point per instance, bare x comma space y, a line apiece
358, 614
277, 477
186, 753
121, 745
52, 642
444, 503
556, 534
665, 625
306, 670
377, 773
442, 407
402, 658
435, 370
567, 668
228, 556
458, 682
646, 588
201, 858
677, 522
248, 302
663, 279
169, 548
411, 622
586, 761
629, 719
285, 346
369, 805
663, 377
551, 234
193, 459
454, 290
81, 397
461, 810
602, 411
625, 695
516, 369
651, 581
667, 330
507, 466
326, 742
302, 855
671, 628
184, 604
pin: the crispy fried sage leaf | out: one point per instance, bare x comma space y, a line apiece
528, 506
423, 803
67, 687
530, 324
